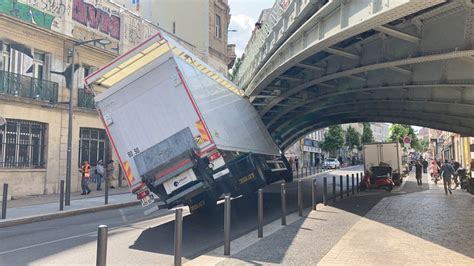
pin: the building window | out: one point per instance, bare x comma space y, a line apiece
218, 32
22, 144
38, 65
93, 146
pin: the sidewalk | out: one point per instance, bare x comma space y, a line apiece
44, 207
412, 226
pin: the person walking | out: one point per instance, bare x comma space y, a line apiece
435, 171
297, 164
418, 175
425, 166
447, 171
86, 174
99, 174
110, 174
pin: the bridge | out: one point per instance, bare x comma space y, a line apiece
313, 64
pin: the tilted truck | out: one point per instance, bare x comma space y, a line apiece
382, 154
181, 130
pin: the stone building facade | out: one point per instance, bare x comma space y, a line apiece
35, 41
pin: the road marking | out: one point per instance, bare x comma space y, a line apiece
124, 218
92, 233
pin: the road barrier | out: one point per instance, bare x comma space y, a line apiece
61, 195
347, 185
101, 245
341, 187
106, 195
325, 192
313, 194
333, 188
283, 203
352, 184
300, 198
260, 213
4, 201
178, 236
227, 226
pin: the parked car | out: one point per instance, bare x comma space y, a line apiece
331, 163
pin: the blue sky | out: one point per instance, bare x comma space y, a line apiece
244, 14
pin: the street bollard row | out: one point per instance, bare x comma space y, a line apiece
300, 199
260, 213
341, 188
61, 196
347, 185
313, 194
102, 232
283, 203
178, 236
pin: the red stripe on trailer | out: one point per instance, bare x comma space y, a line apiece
113, 144
169, 170
194, 105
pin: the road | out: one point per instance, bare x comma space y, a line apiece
138, 239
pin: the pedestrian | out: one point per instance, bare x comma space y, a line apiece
425, 166
435, 171
110, 174
418, 175
291, 162
99, 174
447, 171
86, 174
316, 162
340, 160
297, 164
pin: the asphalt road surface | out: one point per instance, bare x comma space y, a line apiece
135, 238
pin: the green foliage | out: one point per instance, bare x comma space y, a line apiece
235, 69
367, 135
398, 131
352, 138
333, 139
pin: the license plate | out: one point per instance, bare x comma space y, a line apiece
179, 181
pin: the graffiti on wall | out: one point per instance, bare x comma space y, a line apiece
55, 7
83, 34
26, 13
135, 31
96, 18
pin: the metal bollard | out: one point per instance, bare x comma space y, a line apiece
352, 184
106, 195
325, 192
297, 173
347, 185
101, 245
260, 213
333, 188
283, 203
313, 194
227, 226
4, 201
357, 178
306, 171
341, 187
61, 195
178, 236
300, 199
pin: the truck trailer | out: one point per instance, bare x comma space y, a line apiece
181, 130
384, 154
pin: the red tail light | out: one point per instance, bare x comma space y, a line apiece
143, 194
214, 156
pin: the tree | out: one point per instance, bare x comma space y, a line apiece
235, 69
367, 135
333, 140
397, 132
352, 138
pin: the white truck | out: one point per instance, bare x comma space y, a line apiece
181, 130
384, 154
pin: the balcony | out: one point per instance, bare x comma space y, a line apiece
85, 99
28, 87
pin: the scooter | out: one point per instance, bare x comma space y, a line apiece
376, 182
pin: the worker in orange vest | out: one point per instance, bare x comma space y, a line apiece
86, 174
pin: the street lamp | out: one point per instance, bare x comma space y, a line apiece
72, 52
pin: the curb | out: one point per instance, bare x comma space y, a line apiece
63, 214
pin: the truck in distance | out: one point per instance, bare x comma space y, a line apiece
181, 130
384, 154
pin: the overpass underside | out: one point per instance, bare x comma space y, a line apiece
410, 63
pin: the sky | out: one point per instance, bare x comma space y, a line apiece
244, 14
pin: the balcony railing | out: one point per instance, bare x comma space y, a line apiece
28, 87
85, 99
